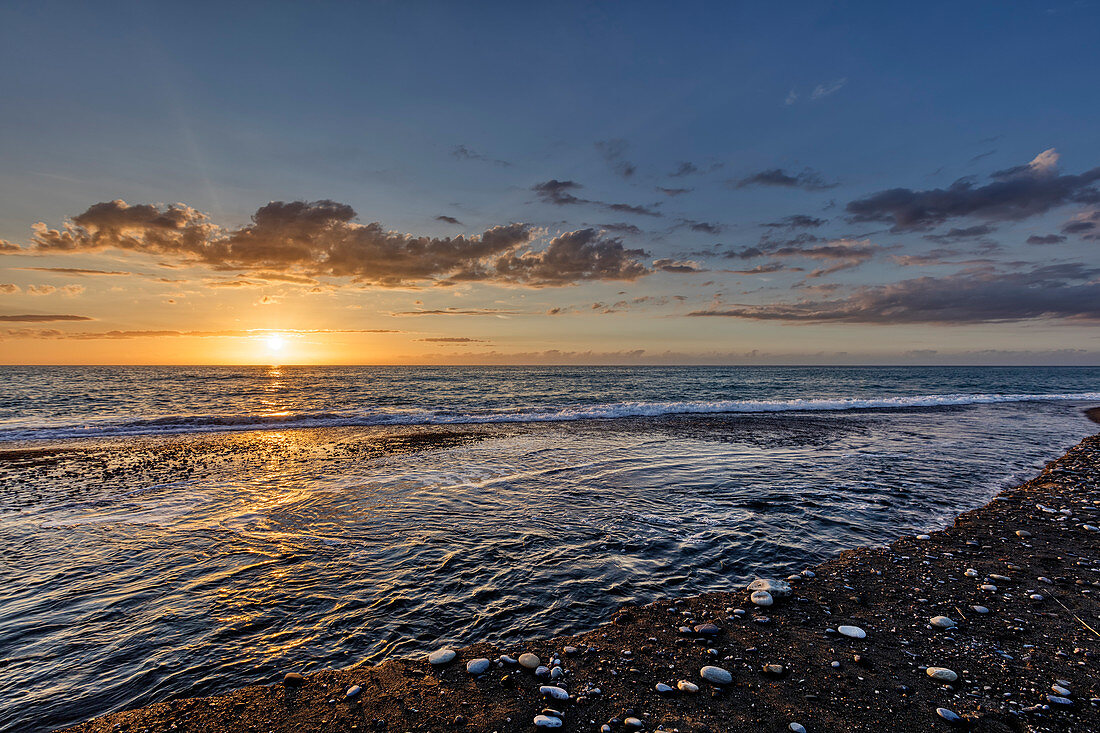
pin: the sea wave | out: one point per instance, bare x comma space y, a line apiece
176, 424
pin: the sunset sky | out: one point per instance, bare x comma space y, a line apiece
416, 182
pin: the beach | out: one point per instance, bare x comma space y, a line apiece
1017, 578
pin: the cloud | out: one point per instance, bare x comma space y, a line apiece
677, 266
614, 152
1013, 195
7, 247
42, 318
796, 221
956, 234
9, 288
1069, 291
792, 97
298, 241
807, 179
453, 340
464, 153
672, 192
1045, 239
78, 271
824, 90
764, 269
703, 226
1085, 224
584, 254
134, 334
560, 193
448, 219
452, 311
621, 227
684, 168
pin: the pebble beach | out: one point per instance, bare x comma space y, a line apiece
990, 624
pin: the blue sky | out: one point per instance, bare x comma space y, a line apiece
675, 133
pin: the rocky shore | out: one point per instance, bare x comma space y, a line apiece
992, 624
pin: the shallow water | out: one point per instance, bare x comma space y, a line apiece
146, 554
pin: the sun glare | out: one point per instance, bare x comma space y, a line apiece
275, 343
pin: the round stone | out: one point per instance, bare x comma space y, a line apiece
478, 666
942, 622
778, 588
353, 692
853, 632
980, 609
441, 656
529, 661
547, 721
942, 674
762, 598
707, 630
717, 675
293, 679
634, 723
1023, 533
553, 692
797, 728
542, 671
688, 687
662, 688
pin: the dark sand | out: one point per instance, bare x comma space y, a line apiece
1006, 660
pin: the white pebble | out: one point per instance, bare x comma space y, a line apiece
853, 632
797, 728
689, 687
551, 691
441, 656
762, 598
477, 666
717, 675
547, 721
942, 622
943, 674
529, 660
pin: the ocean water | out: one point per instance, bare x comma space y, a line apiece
177, 531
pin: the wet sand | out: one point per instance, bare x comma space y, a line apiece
1035, 549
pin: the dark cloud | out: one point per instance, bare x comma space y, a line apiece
464, 153
1045, 239
674, 191
797, 221
678, 266
842, 254
703, 226
1085, 225
614, 152
298, 241
1014, 194
621, 227
42, 318
560, 193
684, 169
448, 219
986, 154
764, 269
957, 234
807, 179
585, 254
1069, 291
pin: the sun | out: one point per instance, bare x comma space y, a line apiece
275, 343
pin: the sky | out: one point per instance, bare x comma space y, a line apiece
575, 183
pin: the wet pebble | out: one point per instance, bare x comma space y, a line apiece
949, 715
441, 656
293, 679
777, 588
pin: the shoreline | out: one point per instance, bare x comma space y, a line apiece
787, 664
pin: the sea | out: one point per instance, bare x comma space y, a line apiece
170, 532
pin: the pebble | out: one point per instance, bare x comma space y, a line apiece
1023, 533
942, 622
924, 537
553, 692
478, 666
778, 588
775, 670
507, 659
293, 679
1090, 527
980, 609
556, 672
971, 573
662, 688
797, 728
762, 598
943, 674
717, 675
1035, 597
529, 661
853, 632
689, 687
570, 650
542, 671
707, 629
988, 586
1058, 700
353, 692
949, 715
1059, 690
634, 723
441, 656
547, 721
